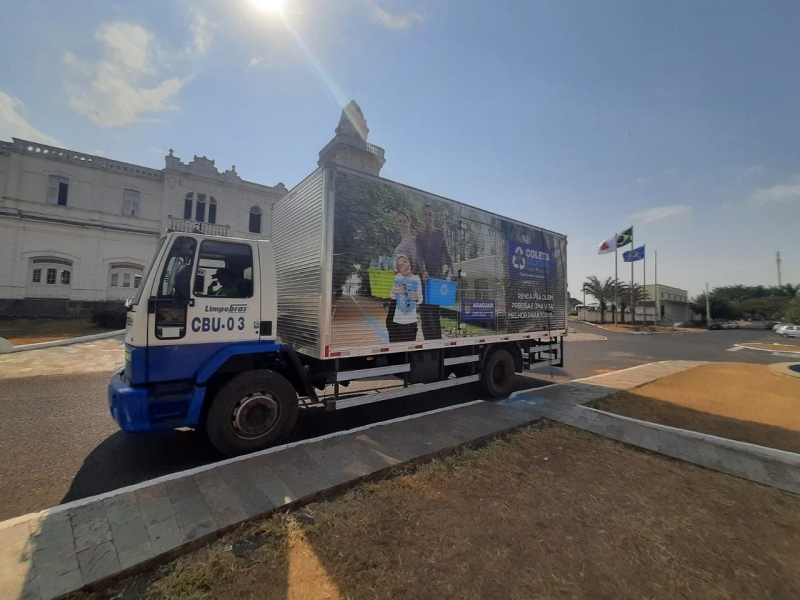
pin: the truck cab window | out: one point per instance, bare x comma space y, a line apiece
173, 289
224, 269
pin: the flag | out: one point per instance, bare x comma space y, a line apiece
633, 255
608, 245
625, 238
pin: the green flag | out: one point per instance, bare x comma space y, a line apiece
625, 238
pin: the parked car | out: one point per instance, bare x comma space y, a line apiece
715, 325
779, 325
789, 331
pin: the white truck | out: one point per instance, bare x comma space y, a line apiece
363, 280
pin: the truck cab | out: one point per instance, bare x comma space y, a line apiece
206, 304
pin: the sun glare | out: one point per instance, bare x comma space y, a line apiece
269, 5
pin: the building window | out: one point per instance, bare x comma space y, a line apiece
200, 211
198, 208
255, 220
65, 277
125, 275
130, 203
51, 276
57, 191
37, 276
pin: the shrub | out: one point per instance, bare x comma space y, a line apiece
110, 316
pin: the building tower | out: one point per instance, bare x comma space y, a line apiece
349, 147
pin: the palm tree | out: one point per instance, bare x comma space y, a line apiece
602, 291
639, 295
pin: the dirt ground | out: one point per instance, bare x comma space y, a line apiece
547, 512
32, 331
743, 402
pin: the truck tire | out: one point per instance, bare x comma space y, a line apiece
253, 411
497, 375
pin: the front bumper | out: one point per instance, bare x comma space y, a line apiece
154, 408
128, 405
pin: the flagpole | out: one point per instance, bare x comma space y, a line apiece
633, 308
644, 286
616, 281
658, 296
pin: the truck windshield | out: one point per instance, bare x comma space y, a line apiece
147, 272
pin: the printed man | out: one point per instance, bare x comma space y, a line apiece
435, 256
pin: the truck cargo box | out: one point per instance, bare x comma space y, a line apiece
365, 266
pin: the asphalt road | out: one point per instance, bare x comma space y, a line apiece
59, 443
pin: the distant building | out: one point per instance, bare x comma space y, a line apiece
77, 228
672, 302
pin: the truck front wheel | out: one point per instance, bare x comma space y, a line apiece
253, 411
497, 376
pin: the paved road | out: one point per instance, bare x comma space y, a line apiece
59, 443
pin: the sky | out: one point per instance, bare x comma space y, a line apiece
678, 118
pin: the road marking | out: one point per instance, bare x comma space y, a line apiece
735, 349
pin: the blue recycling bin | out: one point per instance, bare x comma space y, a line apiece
440, 292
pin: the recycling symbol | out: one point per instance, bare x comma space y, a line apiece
519, 259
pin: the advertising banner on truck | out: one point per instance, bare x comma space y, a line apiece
409, 267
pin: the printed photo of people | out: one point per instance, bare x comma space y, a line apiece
409, 267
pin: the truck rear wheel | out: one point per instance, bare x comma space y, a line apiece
253, 411
498, 374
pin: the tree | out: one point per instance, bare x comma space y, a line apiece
639, 295
602, 291
791, 312
721, 308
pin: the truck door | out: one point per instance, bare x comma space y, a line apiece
207, 298
478, 266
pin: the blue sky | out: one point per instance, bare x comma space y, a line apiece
584, 117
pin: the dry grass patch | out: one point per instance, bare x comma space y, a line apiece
738, 401
32, 331
548, 512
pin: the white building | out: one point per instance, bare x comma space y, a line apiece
81, 228
672, 302
77, 229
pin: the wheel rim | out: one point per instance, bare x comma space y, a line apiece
255, 415
499, 374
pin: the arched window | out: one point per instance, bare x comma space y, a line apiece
49, 277
255, 220
122, 278
195, 208
200, 208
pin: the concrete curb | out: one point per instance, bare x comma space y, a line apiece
746, 347
93, 539
635, 332
68, 341
784, 456
784, 370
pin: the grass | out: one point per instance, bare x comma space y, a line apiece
744, 402
31, 331
546, 512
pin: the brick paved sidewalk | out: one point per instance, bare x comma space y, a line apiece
88, 357
60, 550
